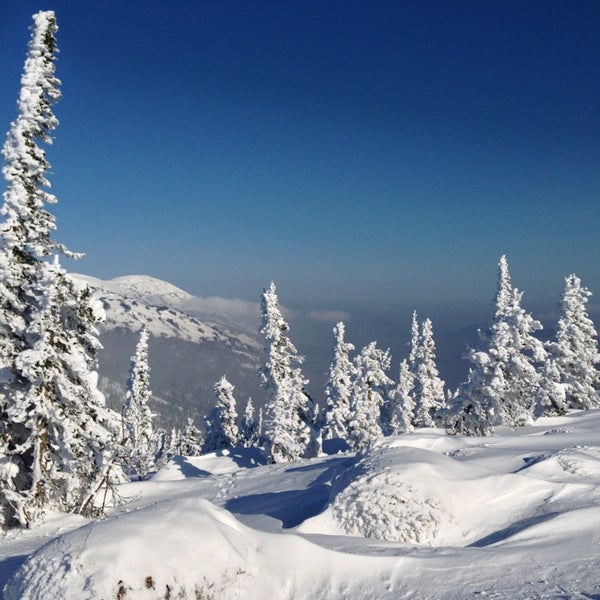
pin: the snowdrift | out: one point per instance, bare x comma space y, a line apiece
424, 516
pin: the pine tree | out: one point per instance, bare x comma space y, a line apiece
249, 432
56, 436
551, 397
338, 388
140, 445
221, 429
288, 431
428, 388
503, 381
369, 396
576, 349
402, 404
190, 441
415, 342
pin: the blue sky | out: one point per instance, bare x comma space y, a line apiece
367, 156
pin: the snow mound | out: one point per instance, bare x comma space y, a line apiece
138, 555
576, 464
379, 506
413, 495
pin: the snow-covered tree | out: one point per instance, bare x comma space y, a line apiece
551, 397
140, 440
189, 442
369, 396
221, 430
61, 438
503, 380
415, 341
428, 388
249, 430
402, 405
576, 349
338, 388
56, 436
287, 428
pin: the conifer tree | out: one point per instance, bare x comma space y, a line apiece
140, 444
428, 388
287, 428
369, 396
249, 433
221, 430
190, 441
551, 397
56, 436
503, 380
402, 403
415, 342
576, 349
338, 388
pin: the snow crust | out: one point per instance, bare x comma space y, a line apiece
422, 515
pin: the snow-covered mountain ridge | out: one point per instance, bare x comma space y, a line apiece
133, 301
189, 349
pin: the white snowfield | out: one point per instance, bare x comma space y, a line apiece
419, 516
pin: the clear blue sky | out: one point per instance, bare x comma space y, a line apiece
364, 155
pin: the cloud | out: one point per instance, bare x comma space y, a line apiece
232, 307
325, 316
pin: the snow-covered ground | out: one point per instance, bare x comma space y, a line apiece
420, 516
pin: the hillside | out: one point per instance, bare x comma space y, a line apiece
422, 516
189, 350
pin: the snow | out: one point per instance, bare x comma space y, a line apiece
421, 515
135, 301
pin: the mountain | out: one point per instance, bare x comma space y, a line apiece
190, 347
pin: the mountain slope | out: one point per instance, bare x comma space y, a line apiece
187, 354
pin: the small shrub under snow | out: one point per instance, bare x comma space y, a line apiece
378, 498
383, 507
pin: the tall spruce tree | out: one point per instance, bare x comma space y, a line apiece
338, 388
402, 405
428, 388
56, 436
288, 428
140, 440
503, 381
576, 349
369, 396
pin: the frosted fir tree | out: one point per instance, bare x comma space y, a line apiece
140, 440
551, 397
56, 436
402, 405
62, 437
428, 388
369, 396
576, 349
249, 430
190, 440
221, 430
287, 429
415, 341
503, 381
338, 388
